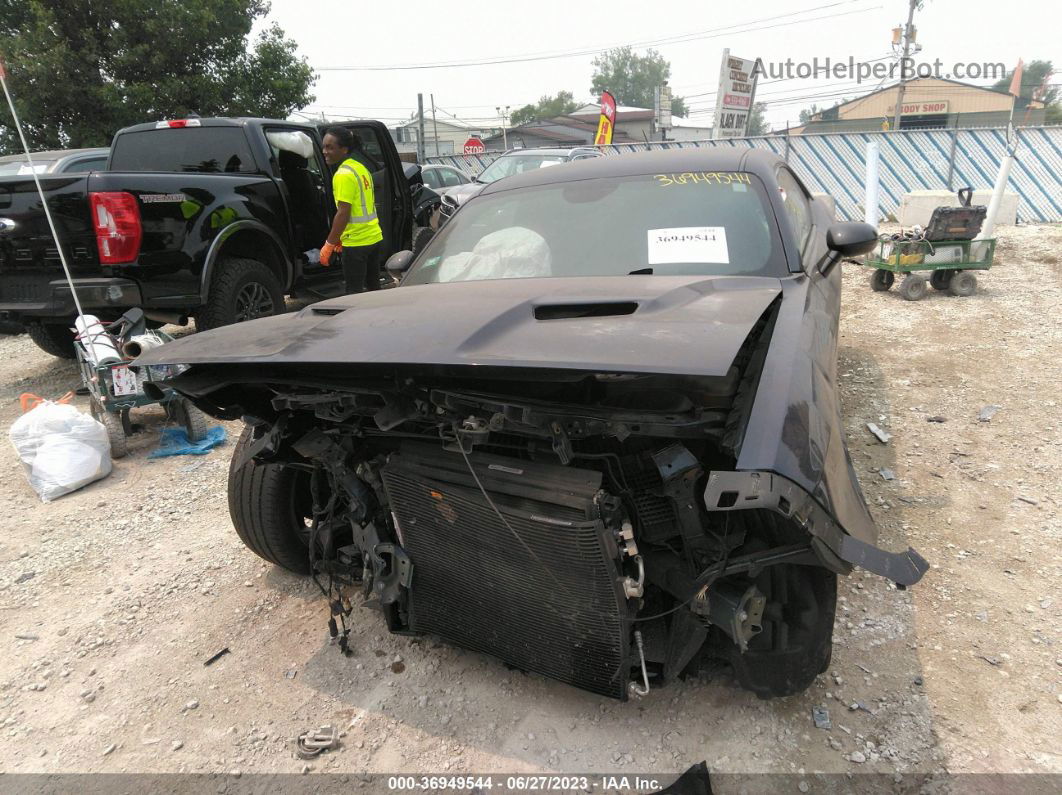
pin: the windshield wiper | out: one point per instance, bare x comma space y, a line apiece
641, 272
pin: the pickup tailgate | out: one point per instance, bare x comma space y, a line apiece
29, 259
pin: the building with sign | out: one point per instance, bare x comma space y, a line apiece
928, 103
451, 137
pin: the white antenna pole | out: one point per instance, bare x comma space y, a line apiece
40, 191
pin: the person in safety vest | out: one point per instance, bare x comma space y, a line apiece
355, 233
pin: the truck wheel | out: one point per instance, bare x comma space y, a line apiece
271, 506
242, 289
115, 424
914, 287
963, 284
54, 338
422, 237
881, 280
939, 279
796, 642
196, 423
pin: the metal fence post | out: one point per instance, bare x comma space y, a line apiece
951, 159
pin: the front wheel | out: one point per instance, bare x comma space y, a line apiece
54, 338
271, 507
914, 287
242, 289
881, 280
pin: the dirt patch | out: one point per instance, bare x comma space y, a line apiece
112, 598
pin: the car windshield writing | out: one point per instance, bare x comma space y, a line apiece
714, 224
508, 165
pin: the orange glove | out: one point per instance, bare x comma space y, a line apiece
327, 250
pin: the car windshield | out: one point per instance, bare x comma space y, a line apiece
710, 223
507, 165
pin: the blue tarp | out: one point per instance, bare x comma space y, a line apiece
175, 441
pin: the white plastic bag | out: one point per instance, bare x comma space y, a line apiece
61, 449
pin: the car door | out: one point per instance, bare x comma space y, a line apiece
391, 192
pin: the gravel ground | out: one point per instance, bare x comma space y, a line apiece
112, 598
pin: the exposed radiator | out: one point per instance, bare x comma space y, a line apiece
552, 604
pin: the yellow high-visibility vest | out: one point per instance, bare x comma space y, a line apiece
352, 183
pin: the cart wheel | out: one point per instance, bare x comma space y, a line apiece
941, 279
963, 284
914, 287
115, 425
881, 280
196, 423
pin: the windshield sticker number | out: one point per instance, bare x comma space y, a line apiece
695, 177
688, 244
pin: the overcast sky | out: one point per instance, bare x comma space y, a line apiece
338, 33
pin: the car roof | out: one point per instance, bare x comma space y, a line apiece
670, 161
54, 154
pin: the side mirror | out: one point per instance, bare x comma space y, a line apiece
399, 262
849, 239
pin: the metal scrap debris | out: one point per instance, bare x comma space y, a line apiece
991, 660
217, 656
24, 577
936, 418
887, 474
821, 716
879, 433
315, 741
987, 413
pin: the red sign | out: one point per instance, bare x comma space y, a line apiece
474, 146
607, 121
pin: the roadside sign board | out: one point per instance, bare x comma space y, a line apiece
737, 94
474, 146
607, 122
662, 97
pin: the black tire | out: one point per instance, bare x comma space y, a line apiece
914, 287
54, 338
241, 289
269, 505
938, 280
196, 423
421, 239
963, 284
115, 424
796, 643
881, 280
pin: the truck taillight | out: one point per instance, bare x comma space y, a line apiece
116, 217
175, 124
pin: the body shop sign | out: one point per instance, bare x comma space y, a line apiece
737, 93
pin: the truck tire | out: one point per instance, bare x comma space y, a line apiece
241, 289
195, 423
270, 506
54, 338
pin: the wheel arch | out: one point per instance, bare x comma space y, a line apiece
252, 240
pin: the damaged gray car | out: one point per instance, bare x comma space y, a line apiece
595, 432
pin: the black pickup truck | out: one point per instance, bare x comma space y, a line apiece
210, 219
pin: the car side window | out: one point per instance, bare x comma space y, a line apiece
450, 177
797, 206
85, 165
432, 178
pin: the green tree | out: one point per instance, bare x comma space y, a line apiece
81, 69
632, 78
1035, 75
548, 106
757, 123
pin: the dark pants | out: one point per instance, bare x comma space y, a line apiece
361, 267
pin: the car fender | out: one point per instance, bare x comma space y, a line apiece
217, 246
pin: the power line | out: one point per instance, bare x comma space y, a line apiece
682, 39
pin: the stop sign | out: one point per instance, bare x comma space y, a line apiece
474, 146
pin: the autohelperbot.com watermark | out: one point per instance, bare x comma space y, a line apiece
879, 69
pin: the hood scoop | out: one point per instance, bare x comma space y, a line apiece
597, 309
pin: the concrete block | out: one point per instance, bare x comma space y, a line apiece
917, 206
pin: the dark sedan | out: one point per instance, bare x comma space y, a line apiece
595, 432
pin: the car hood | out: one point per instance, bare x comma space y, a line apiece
691, 325
462, 193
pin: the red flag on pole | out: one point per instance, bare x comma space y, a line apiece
607, 121
1015, 81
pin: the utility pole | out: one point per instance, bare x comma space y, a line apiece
907, 36
420, 128
505, 123
434, 125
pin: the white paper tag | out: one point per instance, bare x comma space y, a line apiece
688, 244
124, 381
